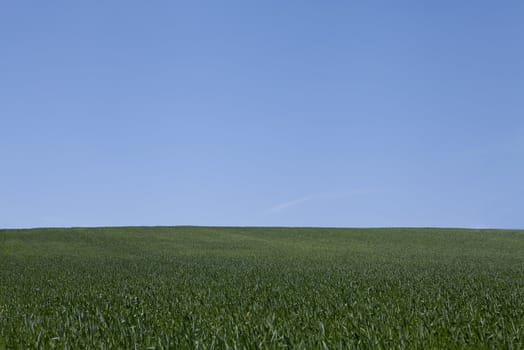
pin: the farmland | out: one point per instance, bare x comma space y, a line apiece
258, 288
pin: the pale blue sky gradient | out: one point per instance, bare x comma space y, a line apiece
296, 113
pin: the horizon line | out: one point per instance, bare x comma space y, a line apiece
259, 227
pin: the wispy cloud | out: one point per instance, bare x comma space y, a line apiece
289, 204
312, 197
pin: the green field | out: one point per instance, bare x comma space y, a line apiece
258, 288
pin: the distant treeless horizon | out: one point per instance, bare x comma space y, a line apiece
339, 228
345, 114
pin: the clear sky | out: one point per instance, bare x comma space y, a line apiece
296, 113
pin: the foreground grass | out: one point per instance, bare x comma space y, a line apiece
203, 288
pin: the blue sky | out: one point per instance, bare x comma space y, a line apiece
296, 113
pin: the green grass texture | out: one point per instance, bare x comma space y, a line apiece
261, 288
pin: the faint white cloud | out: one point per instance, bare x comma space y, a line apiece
288, 204
312, 197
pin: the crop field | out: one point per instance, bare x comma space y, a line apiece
261, 288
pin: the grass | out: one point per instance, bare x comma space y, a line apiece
258, 288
